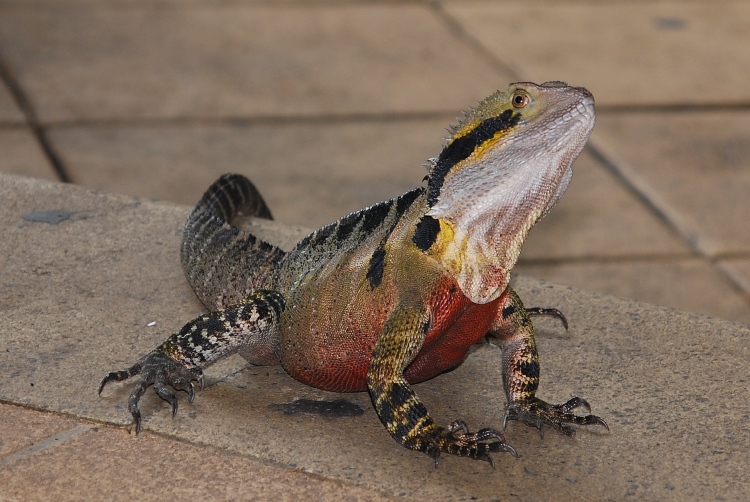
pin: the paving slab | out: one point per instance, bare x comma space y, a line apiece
85, 462
83, 62
86, 272
739, 270
21, 429
689, 284
9, 111
349, 164
599, 218
632, 53
22, 154
696, 162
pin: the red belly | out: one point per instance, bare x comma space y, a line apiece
459, 325
336, 355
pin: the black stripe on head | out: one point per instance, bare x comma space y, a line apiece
462, 147
427, 231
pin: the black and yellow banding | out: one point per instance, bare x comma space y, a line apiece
251, 323
403, 285
398, 407
520, 356
521, 375
486, 124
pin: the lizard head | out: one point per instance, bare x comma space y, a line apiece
510, 135
505, 166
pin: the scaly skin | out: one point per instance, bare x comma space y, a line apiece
396, 293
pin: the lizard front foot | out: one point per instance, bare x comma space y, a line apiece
457, 440
159, 370
538, 413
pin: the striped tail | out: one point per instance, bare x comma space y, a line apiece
224, 264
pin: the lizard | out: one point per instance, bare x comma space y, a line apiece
398, 292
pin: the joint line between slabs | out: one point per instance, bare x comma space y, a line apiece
45, 444
32, 121
703, 246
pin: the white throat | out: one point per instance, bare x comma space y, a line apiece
492, 200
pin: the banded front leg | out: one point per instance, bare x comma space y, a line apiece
250, 326
399, 408
515, 332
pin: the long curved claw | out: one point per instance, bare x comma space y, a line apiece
163, 392
458, 440
551, 312
135, 395
572, 404
159, 370
191, 393
537, 413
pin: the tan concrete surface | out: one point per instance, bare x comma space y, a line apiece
688, 283
83, 461
697, 161
22, 155
361, 162
9, 111
83, 62
599, 218
739, 270
660, 53
21, 429
659, 377
331, 106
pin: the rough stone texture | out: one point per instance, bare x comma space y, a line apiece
235, 59
77, 296
625, 53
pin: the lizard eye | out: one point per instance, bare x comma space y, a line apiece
519, 100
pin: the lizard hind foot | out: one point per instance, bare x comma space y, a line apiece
537, 413
458, 440
159, 370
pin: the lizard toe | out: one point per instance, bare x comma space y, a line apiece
161, 371
456, 439
537, 413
